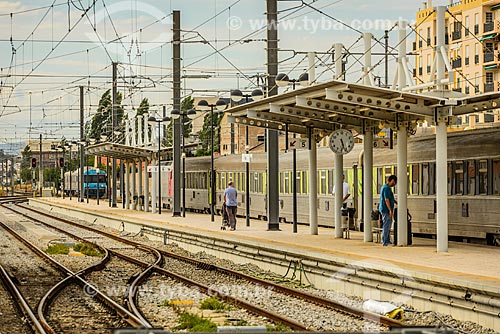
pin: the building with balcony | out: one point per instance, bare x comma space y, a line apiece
472, 38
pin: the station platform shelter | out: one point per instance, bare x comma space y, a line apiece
466, 264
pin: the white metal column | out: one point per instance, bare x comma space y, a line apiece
441, 144
339, 159
313, 161
402, 186
368, 184
127, 184
313, 186
146, 186
402, 163
140, 194
441, 187
339, 170
134, 186
154, 185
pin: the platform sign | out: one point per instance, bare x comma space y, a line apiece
154, 169
382, 143
298, 143
246, 157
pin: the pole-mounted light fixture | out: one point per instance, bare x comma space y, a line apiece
220, 105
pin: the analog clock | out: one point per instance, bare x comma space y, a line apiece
341, 141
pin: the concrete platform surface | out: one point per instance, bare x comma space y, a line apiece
463, 262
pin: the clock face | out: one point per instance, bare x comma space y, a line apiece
341, 141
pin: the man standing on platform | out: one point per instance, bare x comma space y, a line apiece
230, 198
386, 208
346, 192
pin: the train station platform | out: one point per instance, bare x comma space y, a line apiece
465, 264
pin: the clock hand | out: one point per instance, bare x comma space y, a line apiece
343, 146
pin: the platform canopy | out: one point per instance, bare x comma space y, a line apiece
324, 107
120, 151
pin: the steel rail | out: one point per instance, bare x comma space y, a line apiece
21, 302
126, 315
50, 296
130, 297
356, 312
156, 267
227, 298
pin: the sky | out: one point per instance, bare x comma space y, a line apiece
58, 47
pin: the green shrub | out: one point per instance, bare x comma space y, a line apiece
213, 303
87, 249
57, 249
195, 323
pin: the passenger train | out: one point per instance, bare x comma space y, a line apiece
93, 182
473, 184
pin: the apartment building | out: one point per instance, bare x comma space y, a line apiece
472, 38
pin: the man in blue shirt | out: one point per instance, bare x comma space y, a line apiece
386, 208
230, 198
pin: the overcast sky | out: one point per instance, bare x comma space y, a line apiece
74, 53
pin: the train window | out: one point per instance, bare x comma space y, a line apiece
330, 181
483, 177
222, 181
203, 181
287, 182
415, 174
408, 180
425, 179
262, 183
300, 176
259, 183
282, 182
323, 182
432, 178
305, 179
388, 172
449, 174
459, 178
380, 179
471, 177
496, 177
243, 182
298, 181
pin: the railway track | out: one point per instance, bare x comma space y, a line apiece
43, 295
237, 277
13, 199
15, 309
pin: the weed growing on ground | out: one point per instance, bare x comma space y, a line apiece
57, 249
195, 323
87, 249
213, 303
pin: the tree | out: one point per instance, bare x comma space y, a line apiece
26, 164
187, 126
204, 134
101, 122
